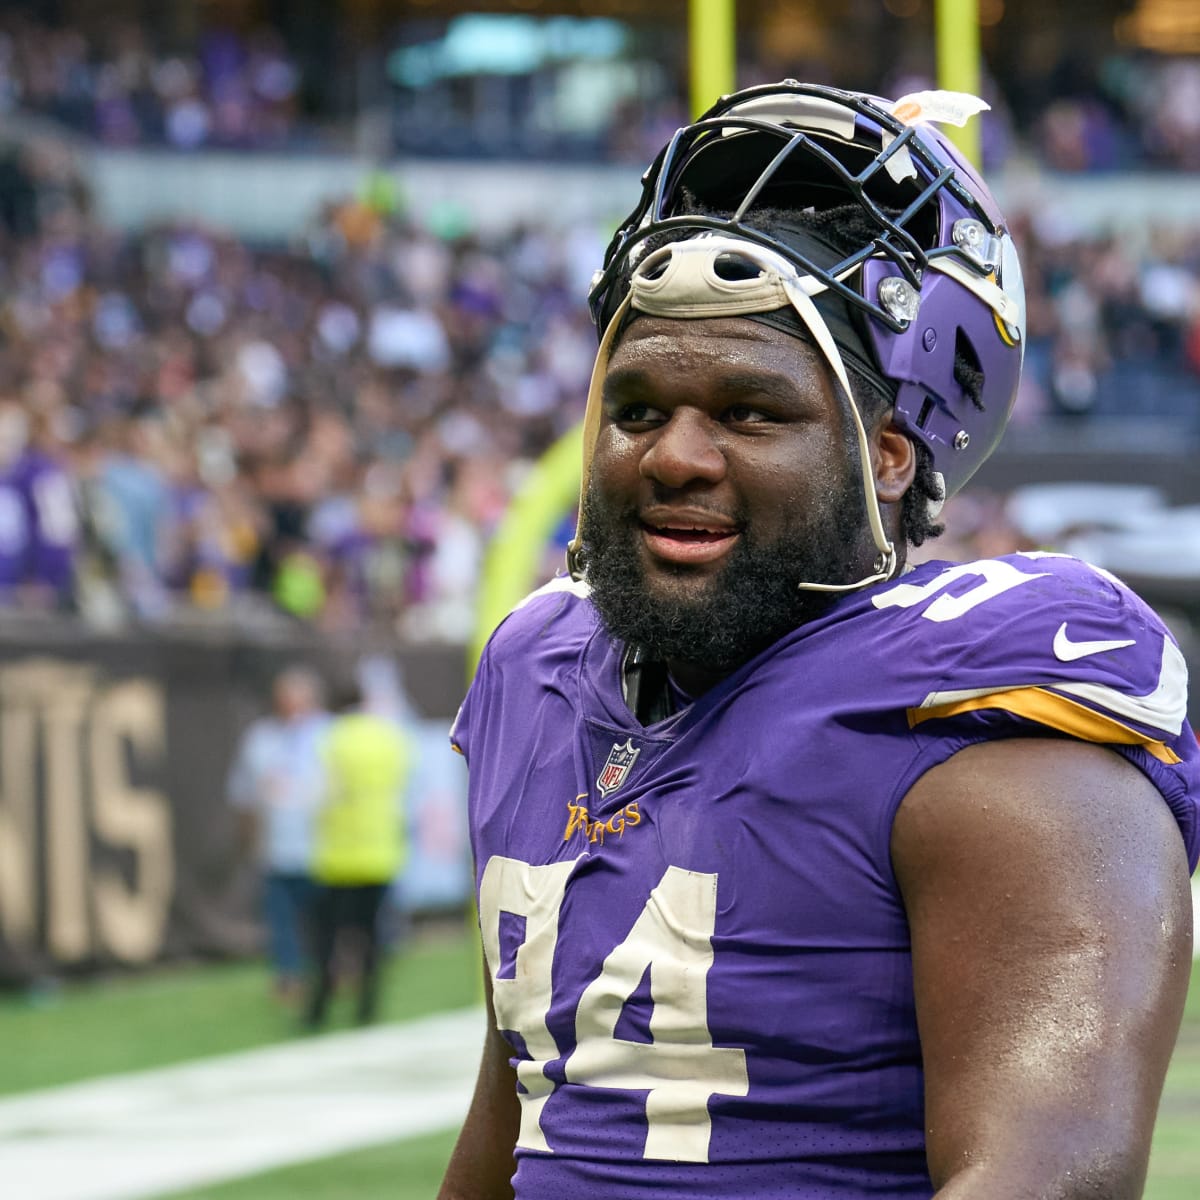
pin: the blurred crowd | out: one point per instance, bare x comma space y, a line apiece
1142, 110
1113, 319
190, 424
229, 91
193, 427
126, 84
330, 430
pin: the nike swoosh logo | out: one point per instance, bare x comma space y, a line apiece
1066, 650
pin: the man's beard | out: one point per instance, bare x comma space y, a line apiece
750, 604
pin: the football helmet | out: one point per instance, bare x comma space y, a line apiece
932, 275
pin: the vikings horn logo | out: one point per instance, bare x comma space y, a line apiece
617, 767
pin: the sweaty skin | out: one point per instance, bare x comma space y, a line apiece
1049, 982
481, 1166
1045, 880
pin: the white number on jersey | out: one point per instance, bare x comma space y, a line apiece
681, 1068
521, 1003
672, 937
996, 578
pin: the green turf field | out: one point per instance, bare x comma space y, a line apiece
214, 1010
411, 1170
191, 1012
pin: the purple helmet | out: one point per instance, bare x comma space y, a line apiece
934, 278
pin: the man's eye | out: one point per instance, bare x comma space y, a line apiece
636, 414
744, 414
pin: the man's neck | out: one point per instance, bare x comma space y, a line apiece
695, 678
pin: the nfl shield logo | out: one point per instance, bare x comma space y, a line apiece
620, 760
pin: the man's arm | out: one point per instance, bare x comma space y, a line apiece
1046, 887
481, 1166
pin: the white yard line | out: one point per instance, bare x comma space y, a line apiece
129, 1137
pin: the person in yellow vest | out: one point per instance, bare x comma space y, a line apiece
359, 845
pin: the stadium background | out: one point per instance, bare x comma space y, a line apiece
291, 309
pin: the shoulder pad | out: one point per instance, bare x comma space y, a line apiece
1045, 636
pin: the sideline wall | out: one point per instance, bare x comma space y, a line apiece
117, 848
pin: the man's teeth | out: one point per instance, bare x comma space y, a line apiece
694, 532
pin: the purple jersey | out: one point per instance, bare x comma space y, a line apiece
39, 525
14, 537
698, 949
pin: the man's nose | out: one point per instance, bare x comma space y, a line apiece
686, 450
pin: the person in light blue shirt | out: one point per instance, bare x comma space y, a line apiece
275, 784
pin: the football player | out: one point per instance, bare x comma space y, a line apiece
802, 873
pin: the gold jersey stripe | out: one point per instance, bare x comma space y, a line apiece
1049, 708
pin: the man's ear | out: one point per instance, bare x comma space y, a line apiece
894, 458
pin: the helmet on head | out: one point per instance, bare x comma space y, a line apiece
929, 279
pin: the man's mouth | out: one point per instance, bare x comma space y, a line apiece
687, 540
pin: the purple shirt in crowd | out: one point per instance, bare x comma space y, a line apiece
39, 525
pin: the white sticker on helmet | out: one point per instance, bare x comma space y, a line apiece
900, 165
949, 108
945, 108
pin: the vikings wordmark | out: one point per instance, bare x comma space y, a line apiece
578, 821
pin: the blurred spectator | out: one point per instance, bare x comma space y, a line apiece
275, 784
359, 848
139, 509
39, 523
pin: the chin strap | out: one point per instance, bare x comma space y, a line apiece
591, 428
885, 561
680, 280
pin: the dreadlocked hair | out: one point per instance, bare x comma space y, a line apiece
845, 228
